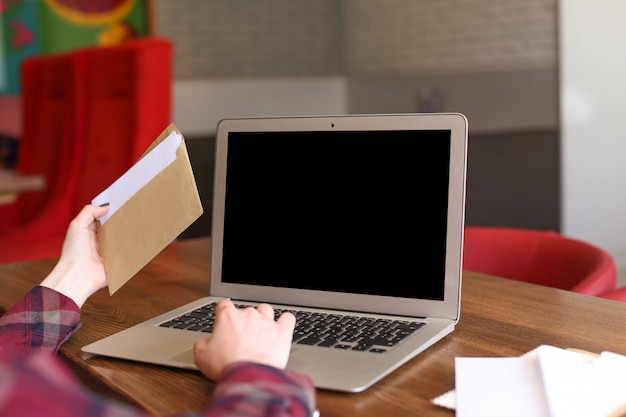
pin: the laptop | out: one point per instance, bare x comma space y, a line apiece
330, 217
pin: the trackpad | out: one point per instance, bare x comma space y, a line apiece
186, 356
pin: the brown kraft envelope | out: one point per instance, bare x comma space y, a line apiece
151, 219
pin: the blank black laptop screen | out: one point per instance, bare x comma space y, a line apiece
355, 212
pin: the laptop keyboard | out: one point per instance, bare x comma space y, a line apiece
337, 331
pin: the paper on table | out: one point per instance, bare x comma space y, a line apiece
609, 375
567, 387
583, 386
138, 175
493, 387
448, 399
547, 381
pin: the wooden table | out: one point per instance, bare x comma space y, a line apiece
498, 318
12, 183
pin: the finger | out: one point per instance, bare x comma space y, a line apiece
88, 215
223, 305
199, 344
265, 310
287, 320
223, 309
200, 347
99, 211
287, 317
95, 213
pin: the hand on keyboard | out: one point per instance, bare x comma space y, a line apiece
248, 334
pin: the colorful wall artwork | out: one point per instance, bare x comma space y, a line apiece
31, 27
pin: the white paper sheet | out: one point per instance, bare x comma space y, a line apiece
548, 381
564, 378
138, 175
496, 387
608, 373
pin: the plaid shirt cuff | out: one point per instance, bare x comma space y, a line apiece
271, 391
40, 322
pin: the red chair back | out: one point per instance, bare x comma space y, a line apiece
618, 294
127, 102
88, 115
539, 257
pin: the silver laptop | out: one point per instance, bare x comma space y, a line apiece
349, 221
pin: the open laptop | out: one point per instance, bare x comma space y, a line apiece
356, 215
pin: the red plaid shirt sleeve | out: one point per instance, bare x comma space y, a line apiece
39, 322
34, 382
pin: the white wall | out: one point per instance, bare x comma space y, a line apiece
493, 101
200, 104
592, 106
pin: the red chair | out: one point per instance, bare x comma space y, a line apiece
539, 257
88, 116
47, 143
618, 294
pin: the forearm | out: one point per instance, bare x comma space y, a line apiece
44, 386
41, 321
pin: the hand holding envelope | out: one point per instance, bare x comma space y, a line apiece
150, 205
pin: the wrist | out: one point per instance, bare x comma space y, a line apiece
65, 281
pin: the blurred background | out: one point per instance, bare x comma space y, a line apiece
539, 81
